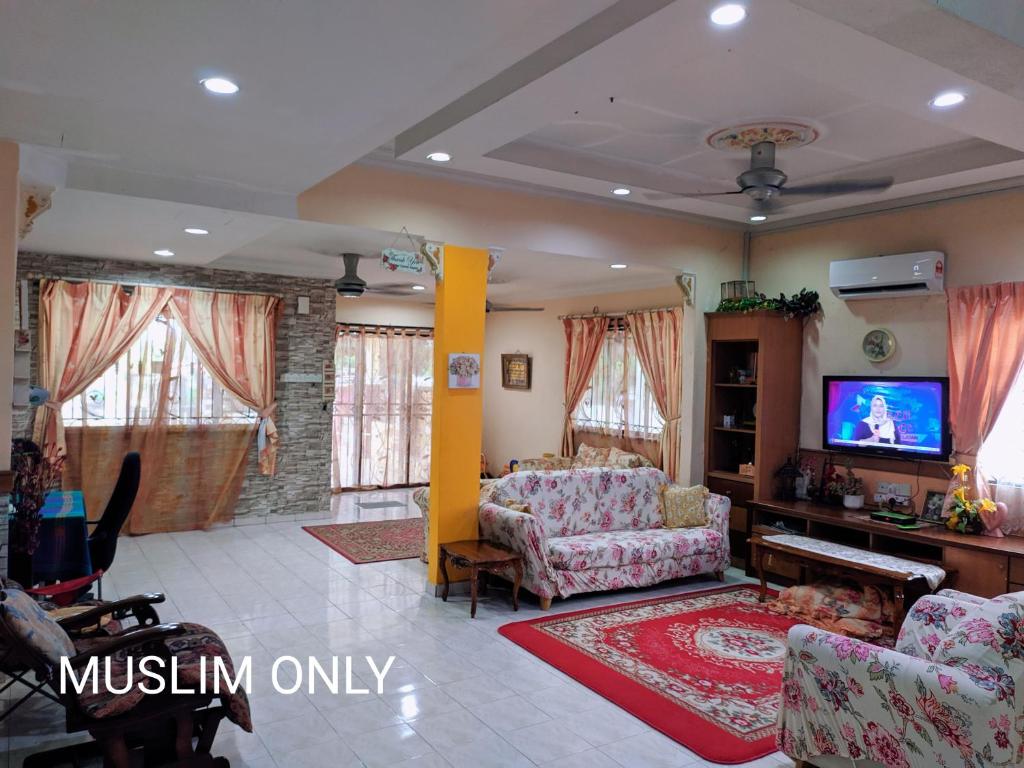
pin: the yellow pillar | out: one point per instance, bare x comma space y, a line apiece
457, 420
9, 215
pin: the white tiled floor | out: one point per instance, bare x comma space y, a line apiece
459, 694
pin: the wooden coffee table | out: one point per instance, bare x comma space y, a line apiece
481, 556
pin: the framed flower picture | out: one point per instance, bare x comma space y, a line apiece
463, 370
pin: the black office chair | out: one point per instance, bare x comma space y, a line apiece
103, 539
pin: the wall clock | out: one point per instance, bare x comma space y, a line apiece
878, 345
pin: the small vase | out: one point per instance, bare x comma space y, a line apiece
463, 381
853, 502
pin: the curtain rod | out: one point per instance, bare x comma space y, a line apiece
417, 328
128, 284
618, 314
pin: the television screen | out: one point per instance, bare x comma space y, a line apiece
887, 415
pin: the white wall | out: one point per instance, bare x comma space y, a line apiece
983, 239
370, 310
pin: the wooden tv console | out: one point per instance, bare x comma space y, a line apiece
984, 566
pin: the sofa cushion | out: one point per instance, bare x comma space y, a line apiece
591, 456
587, 500
615, 548
683, 507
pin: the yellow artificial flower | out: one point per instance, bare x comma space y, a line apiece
960, 471
987, 505
960, 494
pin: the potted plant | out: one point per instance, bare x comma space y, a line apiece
853, 490
35, 475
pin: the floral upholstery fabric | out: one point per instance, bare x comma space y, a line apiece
197, 643
955, 704
840, 606
615, 548
598, 529
933, 574
28, 624
546, 464
590, 456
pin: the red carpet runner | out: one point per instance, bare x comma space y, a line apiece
374, 541
704, 668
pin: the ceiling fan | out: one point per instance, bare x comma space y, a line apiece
352, 286
490, 306
764, 183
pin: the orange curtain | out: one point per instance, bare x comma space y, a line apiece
656, 336
83, 329
235, 335
583, 339
986, 352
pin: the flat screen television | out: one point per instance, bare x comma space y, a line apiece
900, 416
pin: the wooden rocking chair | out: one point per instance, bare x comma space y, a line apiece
166, 729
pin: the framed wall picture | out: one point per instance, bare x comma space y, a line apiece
933, 503
463, 370
516, 370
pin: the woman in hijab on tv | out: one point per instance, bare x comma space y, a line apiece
877, 427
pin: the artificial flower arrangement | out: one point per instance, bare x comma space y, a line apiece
35, 475
965, 514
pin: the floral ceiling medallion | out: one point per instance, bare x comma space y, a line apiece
785, 134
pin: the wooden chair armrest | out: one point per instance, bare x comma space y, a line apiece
137, 639
139, 606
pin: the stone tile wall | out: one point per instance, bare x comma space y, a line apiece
301, 486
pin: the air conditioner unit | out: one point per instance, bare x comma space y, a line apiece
882, 277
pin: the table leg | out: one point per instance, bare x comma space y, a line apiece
760, 574
444, 574
517, 568
474, 577
897, 606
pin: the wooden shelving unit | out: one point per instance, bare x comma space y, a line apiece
766, 412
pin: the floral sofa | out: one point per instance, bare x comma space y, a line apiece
595, 529
946, 696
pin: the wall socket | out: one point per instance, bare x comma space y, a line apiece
896, 492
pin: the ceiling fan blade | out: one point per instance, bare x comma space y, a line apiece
681, 195
503, 308
840, 187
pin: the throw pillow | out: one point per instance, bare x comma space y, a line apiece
624, 459
683, 507
588, 456
515, 506
27, 621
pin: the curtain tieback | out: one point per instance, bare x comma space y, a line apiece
53, 405
265, 416
674, 418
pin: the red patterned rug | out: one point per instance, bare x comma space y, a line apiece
373, 541
704, 668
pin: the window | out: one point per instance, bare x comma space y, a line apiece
619, 402
159, 364
1001, 458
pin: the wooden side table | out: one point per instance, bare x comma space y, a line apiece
480, 556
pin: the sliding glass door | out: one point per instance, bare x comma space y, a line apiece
382, 404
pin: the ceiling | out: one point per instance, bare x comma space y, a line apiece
100, 225
575, 96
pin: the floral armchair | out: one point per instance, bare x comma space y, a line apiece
946, 696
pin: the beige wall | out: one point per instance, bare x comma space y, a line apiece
982, 237
370, 311
9, 216
527, 424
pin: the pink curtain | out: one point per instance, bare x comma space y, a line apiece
382, 407
986, 352
235, 335
583, 339
657, 335
83, 329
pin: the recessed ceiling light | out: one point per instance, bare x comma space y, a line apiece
758, 217
620, 191
219, 85
166, 253
947, 99
617, 266
728, 14
419, 287
439, 157
196, 231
